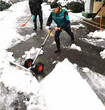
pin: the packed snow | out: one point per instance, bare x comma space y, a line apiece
63, 88
73, 46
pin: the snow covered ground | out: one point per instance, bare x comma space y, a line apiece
63, 88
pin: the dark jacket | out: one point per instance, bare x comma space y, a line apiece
35, 5
61, 19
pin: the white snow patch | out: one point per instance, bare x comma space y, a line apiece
102, 54
74, 46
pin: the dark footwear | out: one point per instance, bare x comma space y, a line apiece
34, 29
72, 41
57, 51
41, 28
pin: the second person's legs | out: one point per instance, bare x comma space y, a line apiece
35, 21
41, 20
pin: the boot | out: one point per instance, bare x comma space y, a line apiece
58, 49
41, 28
72, 41
72, 38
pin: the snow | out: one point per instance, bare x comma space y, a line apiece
66, 93
20, 80
63, 88
73, 46
8, 26
31, 53
98, 34
102, 54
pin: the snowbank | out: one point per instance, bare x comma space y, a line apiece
64, 89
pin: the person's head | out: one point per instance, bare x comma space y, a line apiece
54, 7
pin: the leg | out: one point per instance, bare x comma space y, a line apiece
41, 20
68, 30
57, 40
35, 21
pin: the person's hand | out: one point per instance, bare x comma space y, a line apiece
47, 27
57, 28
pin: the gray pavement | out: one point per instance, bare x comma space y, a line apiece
88, 57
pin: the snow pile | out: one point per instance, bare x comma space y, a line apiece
74, 46
99, 34
90, 34
8, 25
32, 53
64, 89
77, 26
102, 54
19, 80
4, 57
33, 34
74, 17
16, 78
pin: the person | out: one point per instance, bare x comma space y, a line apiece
35, 8
61, 18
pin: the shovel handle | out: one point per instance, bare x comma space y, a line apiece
27, 20
42, 45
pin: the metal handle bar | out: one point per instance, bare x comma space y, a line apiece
51, 29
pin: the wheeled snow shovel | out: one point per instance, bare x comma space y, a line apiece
31, 64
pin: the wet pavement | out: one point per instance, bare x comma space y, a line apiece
88, 57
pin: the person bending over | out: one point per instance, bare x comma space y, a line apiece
61, 18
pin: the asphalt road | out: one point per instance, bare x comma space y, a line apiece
88, 57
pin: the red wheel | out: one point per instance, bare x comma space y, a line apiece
28, 63
39, 68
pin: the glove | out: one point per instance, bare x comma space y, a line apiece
57, 28
47, 27
33, 17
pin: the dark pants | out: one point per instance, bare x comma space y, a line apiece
57, 34
40, 19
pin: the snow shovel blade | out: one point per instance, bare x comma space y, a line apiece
23, 24
21, 67
27, 20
